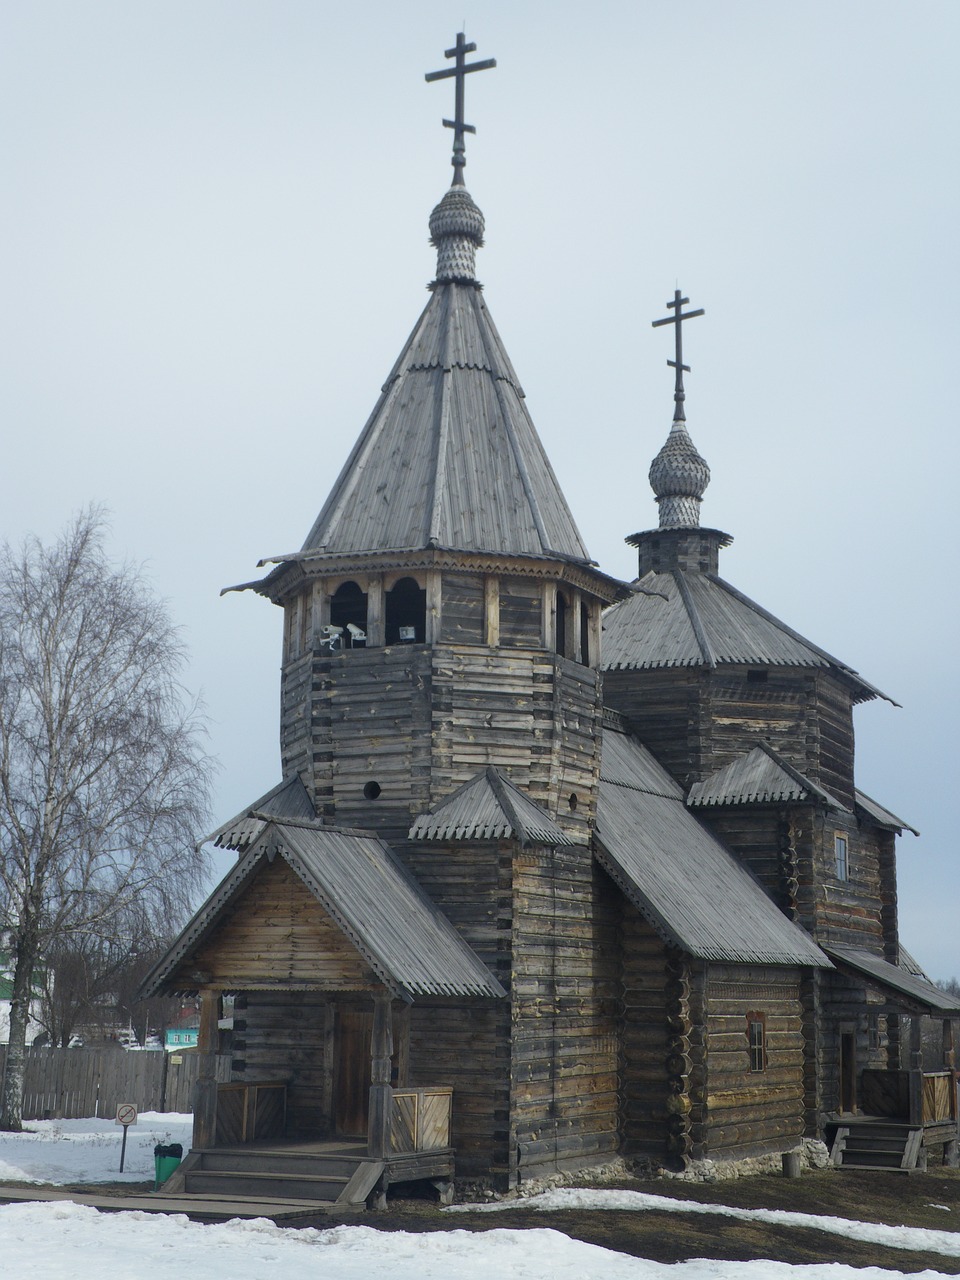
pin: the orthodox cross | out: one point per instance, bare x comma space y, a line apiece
677, 319
459, 70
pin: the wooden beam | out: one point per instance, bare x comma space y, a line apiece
205, 1092
491, 609
381, 1094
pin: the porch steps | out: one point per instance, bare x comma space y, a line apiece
877, 1145
277, 1175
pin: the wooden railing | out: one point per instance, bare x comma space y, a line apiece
420, 1119
938, 1097
250, 1112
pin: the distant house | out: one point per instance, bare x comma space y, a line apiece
34, 1027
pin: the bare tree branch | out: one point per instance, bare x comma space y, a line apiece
103, 780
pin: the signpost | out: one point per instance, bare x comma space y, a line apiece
126, 1116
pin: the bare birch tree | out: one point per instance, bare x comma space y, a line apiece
103, 780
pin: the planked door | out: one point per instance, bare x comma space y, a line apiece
352, 1073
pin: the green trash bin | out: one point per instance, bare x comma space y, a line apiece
165, 1160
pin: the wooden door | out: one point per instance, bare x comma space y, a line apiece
352, 1073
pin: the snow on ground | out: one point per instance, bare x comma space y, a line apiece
921, 1239
68, 1151
58, 1240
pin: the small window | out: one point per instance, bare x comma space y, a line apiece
873, 1030
562, 609
757, 1041
406, 614
584, 635
840, 856
348, 617
757, 675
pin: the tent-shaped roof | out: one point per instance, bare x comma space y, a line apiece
489, 807
685, 619
406, 940
450, 457
690, 888
759, 776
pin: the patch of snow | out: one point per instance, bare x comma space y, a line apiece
61, 1152
55, 1241
922, 1239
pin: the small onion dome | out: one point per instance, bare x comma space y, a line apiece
678, 477
456, 231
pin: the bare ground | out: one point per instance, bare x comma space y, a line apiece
893, 1198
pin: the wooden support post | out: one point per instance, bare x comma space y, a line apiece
434, 607
381, 1094
949, 1048
916, 1070
574, 646
205, 1091
491, 609
375, 618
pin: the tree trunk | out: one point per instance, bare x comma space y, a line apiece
11, 1110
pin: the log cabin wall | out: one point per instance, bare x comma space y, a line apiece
289, 1035
856, 1037
663, 708
564, 1052
766, 839
849, 910
463, 1045
754, 1107
646, 1031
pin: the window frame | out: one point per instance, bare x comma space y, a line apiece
757, 1053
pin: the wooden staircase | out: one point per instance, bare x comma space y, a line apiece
878, 1145
245, 1174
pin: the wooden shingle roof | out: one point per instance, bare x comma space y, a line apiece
691, 889
403, 936
895, 978
683, 619
489, 807
758, 776
450, 457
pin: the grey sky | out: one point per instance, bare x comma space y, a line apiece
214, 243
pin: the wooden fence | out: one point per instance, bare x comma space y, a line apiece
71, 1084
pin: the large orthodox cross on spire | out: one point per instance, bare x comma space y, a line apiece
460, 70
677, 320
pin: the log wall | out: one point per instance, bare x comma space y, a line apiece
564, 1079
287, 1035
647, 1028
754, 1111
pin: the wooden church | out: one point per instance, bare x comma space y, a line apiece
559, 868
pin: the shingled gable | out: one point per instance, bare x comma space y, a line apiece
683, 619
405, 939
489, 807
690, 888
288, 799
759, 776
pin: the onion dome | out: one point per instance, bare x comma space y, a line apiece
678, 477
456, 232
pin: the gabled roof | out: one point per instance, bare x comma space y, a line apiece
881, 816
895, 978
698, 620
449, 457
690, 888
407, 941
759, 776
288, 799
489, 807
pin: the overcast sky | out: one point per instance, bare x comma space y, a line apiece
213, 237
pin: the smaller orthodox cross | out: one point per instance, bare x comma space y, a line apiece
677, 319
459, 70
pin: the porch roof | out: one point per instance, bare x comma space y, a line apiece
358, 880
895, 979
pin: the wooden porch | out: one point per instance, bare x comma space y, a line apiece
902, 1116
